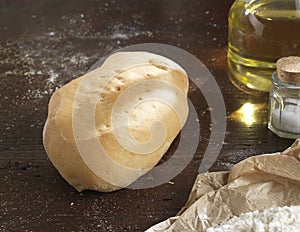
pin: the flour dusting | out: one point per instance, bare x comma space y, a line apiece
271, 220
51, 58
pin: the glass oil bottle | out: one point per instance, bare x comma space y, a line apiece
260, 32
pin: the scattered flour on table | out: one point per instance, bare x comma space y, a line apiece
280, 219
46, 60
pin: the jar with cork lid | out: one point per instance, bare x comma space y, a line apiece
284, 103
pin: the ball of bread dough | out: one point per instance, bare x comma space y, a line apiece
110, 126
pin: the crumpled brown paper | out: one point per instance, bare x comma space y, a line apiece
256, 183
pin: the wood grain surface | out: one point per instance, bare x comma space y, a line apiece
45, 44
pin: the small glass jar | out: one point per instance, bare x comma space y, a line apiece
284, 108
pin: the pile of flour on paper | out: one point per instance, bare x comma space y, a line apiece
271, 220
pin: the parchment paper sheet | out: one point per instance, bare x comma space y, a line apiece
256, 183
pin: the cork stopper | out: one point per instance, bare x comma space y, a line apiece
288, 69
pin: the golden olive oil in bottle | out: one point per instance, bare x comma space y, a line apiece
259, 33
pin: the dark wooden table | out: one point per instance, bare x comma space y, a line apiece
45, 44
